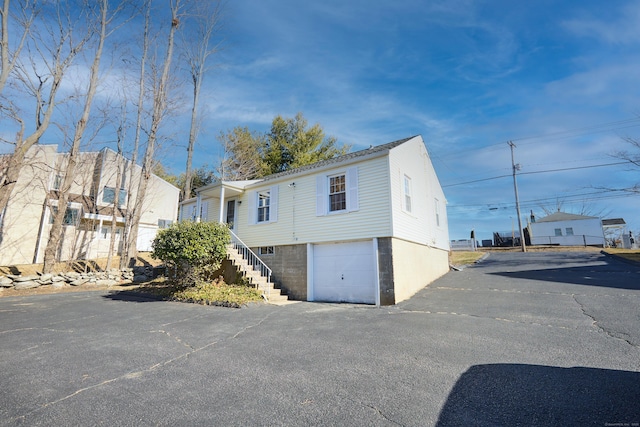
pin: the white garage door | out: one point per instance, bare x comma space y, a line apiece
145, 237
344, 272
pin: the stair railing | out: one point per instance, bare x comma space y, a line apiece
252, 259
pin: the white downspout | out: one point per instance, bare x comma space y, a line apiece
198, 206
221, 216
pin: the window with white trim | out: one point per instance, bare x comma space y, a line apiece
406, 187
264, 201
337, 193
558, 231
263, 206
266, 250
164, 223
569, 231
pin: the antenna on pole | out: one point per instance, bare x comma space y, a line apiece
516, 167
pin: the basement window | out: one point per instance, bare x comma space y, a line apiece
266, 250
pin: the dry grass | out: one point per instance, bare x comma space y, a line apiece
459, 258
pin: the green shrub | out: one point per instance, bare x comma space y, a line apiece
191, 251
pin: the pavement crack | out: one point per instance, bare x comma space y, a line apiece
378, 411
595, 324
178, 340
139, 373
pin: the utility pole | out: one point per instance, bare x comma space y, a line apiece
516, 167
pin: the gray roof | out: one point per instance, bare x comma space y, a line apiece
335, 160
563, 216
613, 221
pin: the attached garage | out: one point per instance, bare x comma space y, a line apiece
145, 238
343, 272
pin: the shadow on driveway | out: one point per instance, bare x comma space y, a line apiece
514, 394
132, 296
593, 275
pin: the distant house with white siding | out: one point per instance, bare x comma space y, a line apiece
565, 229
367, 227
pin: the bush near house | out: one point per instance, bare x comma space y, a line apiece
191, 251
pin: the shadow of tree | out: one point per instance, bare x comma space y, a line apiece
515, 394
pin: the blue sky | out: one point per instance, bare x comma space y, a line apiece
560, 79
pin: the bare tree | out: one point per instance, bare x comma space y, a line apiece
51, 50
127, 241
197, 50
55, 235
160, 90
120, 137
633, 157
23, 17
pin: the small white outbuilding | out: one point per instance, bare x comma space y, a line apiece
565, 229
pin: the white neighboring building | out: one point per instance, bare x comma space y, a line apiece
25, 226
567, 229
369, 226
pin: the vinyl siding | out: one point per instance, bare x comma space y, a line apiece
297, 220
419, 225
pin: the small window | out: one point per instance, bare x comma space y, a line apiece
407, 193
264, 200
57, 182
266, 250
109, 194
337, 193
569, 231
558, 231
437, 208
70, 216
164, 223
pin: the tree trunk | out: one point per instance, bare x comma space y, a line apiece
55, 234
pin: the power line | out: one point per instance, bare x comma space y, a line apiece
536, 172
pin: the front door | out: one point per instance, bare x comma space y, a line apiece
231, 213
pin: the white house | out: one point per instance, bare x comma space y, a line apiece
567, 229
366, 227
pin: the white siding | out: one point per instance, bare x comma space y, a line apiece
584, 230
298, 221
420, 225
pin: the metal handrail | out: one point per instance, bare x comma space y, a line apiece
254, 261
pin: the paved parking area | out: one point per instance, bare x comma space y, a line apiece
520, 339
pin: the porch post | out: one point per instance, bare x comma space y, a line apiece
221, 220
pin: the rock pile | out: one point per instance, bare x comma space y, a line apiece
72, 278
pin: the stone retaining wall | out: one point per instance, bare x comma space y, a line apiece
72, 278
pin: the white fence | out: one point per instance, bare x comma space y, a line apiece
463, 245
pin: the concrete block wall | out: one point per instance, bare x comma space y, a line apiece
289, 268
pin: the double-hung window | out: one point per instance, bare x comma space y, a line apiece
264, 201
406, 187
558, 231
263, 206
337, 193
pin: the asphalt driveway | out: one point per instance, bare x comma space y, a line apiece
520, 339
